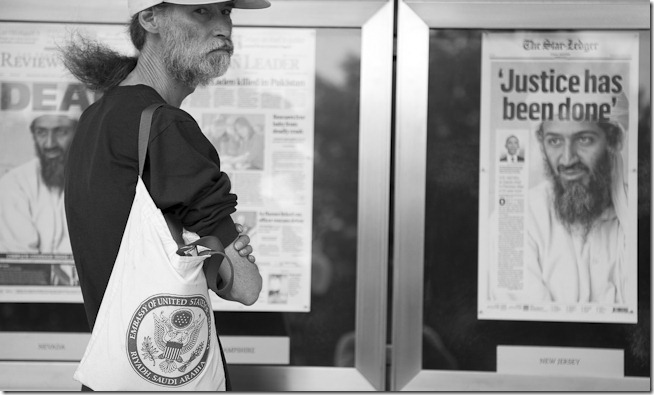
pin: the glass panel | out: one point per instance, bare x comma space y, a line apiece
453, 337
324, 336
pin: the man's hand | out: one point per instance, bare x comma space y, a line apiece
242, 244
247, 281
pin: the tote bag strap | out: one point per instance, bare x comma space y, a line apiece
144, 133
144, 137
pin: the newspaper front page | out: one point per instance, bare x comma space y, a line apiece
558, 220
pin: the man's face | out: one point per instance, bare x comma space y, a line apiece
512, 145
573, 149
580, 164
197, 41
52, 136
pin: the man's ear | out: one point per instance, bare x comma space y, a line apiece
149, 20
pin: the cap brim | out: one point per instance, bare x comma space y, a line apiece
136, 6
251, 4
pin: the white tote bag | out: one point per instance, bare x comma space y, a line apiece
155, 329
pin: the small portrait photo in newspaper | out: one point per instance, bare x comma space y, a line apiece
238, 138
512, 151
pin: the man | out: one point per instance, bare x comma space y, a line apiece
512, 146
31, 196
575, 219
182, 44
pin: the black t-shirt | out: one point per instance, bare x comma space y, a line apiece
182, 174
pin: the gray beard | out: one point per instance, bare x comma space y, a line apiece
189, 62
578, 205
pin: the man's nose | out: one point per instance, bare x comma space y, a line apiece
569, 156
49, 141
223, 26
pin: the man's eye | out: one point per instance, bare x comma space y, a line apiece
202, 11
554, 141
61, 132
586, 140
226, 11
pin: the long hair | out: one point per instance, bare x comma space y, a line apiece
96, 65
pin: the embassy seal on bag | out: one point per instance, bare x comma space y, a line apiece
162, 341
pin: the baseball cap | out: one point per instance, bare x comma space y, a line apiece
136, 6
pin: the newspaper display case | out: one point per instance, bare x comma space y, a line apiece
443, 336
334, 338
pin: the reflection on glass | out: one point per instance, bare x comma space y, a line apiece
323, 337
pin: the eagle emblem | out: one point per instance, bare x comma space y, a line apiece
175, 336
169, 339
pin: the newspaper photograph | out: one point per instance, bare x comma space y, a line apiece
259, 116
558, 177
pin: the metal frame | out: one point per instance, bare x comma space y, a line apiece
375, 19
295, 13
415, 18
